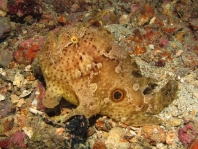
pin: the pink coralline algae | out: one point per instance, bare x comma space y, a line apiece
24, 8
26, 55
71, 6
187, 134
16, 140
28, 49
39, 94
163, 42
135, 7
5, 143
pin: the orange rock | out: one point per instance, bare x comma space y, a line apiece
143, 19
137, 37
146, 15
99, 124
169, 29
62, 20
139, 50
99, 145
149, 10
31, 52
194, 145
26, 54
7, 124
152, 35
103, 125
158, 22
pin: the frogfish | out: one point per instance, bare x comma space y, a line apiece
88, 68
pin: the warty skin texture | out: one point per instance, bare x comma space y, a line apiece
86, 67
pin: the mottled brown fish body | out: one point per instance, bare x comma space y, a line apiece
87, 68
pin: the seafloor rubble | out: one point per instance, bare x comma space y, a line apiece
161, 37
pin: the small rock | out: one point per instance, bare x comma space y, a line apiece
28, 49
2, 13
103, 124
28, 131
37, 96
3, 7
25, 93
3, 4
4, 25
175, 122
5, 57
20, 102
154, 133
116, 139
14, 98
194, 24
161, 146
5, 108
124, 19
90, 131
98, 145
170, 137
18, 80
2, 97
190, 59
129, 134
62, 19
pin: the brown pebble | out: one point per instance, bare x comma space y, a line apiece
90, 131
154, 133
99, 145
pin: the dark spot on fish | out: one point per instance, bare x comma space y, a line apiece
153, 85
96, 23
136, 74
149, 89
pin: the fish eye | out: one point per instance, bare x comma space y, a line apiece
117, 95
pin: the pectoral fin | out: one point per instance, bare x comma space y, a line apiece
165, 96
52, 98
